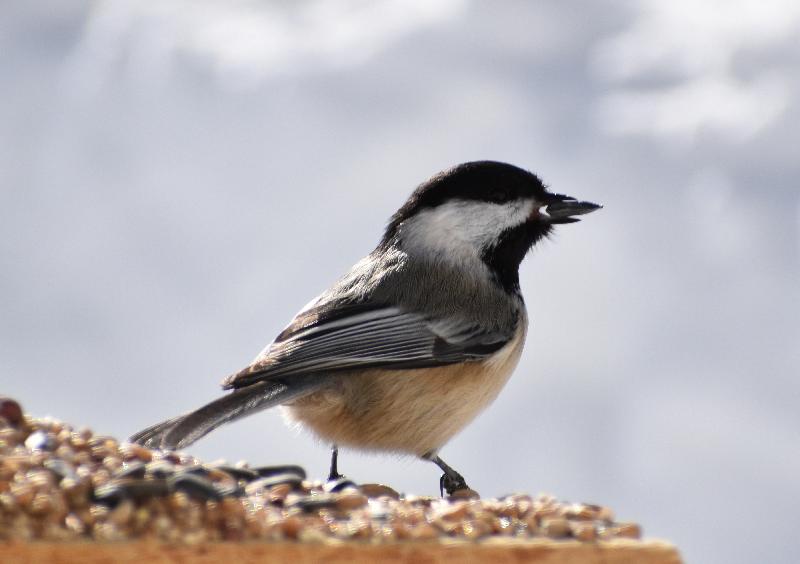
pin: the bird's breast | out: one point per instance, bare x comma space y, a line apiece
412, 411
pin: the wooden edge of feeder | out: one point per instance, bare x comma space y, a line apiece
504, 551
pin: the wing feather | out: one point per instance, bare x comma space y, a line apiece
365, 336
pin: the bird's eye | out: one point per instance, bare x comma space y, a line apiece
498, 194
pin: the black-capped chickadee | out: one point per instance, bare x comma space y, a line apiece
417, 338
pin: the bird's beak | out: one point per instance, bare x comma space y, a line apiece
563, 208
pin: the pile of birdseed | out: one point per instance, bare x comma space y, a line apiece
59, 483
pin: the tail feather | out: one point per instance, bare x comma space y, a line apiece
151, 436
184, 430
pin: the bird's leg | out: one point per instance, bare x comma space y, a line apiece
334, 473
451, 480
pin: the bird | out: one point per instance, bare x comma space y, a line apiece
417, 338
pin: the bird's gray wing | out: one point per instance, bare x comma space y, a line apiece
325, 339
349, 336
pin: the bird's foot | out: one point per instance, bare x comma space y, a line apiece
337, 485
451, 483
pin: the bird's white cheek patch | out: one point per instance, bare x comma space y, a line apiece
463, 226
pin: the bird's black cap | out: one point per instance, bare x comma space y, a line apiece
488, 181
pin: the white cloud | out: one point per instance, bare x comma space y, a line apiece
716, 103
246, 40
694, 45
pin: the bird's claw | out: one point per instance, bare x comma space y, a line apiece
451, 483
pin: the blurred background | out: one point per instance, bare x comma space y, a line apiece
178, 178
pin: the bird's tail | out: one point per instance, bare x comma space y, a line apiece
184, 430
